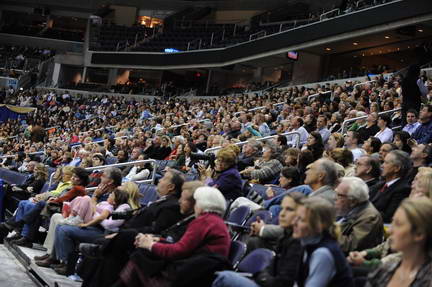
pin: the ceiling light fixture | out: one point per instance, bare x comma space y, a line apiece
355, 43
387, 37
420, 30
328, 49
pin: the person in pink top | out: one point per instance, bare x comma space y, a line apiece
67, 236
207, 233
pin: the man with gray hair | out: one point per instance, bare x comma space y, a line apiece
251, 152
389, 193
322, 176
361, 224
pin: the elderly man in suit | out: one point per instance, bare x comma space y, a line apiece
389, 193
361, 224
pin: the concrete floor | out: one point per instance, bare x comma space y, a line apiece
12, 272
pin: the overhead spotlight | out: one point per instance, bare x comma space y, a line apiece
387, 37
420, 30
328, 49
355, 43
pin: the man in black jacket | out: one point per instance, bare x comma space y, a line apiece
389, 193
368, 168
370, 129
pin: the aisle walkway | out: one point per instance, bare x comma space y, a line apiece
12, 272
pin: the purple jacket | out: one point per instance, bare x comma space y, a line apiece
229, 183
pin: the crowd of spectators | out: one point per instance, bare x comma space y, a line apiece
19, 57
328, 196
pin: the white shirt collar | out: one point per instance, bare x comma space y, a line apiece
392, 181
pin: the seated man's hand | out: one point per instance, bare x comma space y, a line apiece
357, 258
256, 226
144, 241
99, 190
270, 192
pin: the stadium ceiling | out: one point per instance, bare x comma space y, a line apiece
406, 38
92, 5
380, 43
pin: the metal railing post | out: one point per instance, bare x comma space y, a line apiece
297, 134
211, 39
345, 122
154, 162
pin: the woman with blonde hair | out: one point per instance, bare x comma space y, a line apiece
335, 140
323, 263
132, 190
410, 234
422, 183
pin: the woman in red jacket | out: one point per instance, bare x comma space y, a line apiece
207, 233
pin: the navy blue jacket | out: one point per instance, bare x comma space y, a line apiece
343, 276
423, 134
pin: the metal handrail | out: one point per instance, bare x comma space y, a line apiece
191, 42
32, 153
101, 129
316, 95
257, 33
120, 165
251, 110
331, 11
345, 122
151, 181
359, 84
78, 145
54, 127
188, 123
259, 139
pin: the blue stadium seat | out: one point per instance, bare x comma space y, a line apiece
239, 215
111, 160
45, 187
256, 261
148, 192
265, 216
13, 177
237, 251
